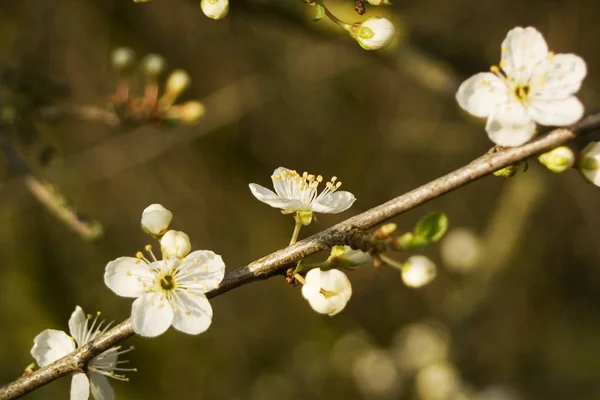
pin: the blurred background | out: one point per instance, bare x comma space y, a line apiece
513, 313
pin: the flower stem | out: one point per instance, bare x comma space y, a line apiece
332, 17
391, 262
297, 228
300, 279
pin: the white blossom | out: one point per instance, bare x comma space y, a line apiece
299, 193
122, 57
373, 33
418, 271
531, 85
327, 291
175, 244
379, 2
215, 9
52, 344
169, 291
156, 219
589, 165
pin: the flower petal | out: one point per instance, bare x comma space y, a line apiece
522, 50
556, 112
193, 315
510, 126
202, 269
151, 316
281, 186
101, 389
481, 94
80, 387
125, 276
312, 287
559, 78
335, 281
78, 325
332, 203
269, 197
51, 345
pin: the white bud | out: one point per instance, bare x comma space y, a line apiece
327, 292
418, 271
439, 381
347, 257
374, 33
153, 65
175, 244
177, 82
187, 113
379, 2
215, 9
122, 57
156, 219
589, 165
558, 160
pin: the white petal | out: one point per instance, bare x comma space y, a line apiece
101, 389
281, 186
337, 282
125, 276
151, 316
332, 203
268, 196
193, 315
80, 387
522, 50
78, 325
510, 126
202, 267
559, 77
312, 287
556, 112
481, 94
591, 151
51, 345
418, 271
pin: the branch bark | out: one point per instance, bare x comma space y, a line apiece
342, 233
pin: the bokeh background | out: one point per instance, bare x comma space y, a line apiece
514, 313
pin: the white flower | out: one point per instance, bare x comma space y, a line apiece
530, 85
347, 257
373, 33
169, 292
52, 344
558, 160
156, 219
418, 271
589, 165
215, 9
327, 291
379, 2
299, 193
122, 57
175, 244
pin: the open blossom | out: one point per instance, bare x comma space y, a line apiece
531, 85
295, 193
373, 33
169, 291
327, 291
589, 165
52, 344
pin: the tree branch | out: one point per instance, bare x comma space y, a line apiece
342, 233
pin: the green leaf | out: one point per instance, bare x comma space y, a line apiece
320, 13
432, 227
410, 242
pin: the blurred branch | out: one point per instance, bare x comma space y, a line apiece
88, 113
342, 233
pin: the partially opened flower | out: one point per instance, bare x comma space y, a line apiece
347, 257
295, 193
418, 271
373, 33
51, 345
531, 85
327, 291
169, 291
589, 164
215, 9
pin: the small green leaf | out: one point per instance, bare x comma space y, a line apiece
410, 242
320, 13
432, 227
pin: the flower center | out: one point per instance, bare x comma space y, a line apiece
167, 282
522, 92
305, 187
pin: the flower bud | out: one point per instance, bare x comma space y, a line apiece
558, 160
327, 292
122, 57
304, 217
186, 113
177, 82
175, 244
373, 33
379, 2
215, 9
418, 271
589, 165
348, 258
156, 219
153, 65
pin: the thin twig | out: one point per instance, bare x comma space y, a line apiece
88, 113
277, 262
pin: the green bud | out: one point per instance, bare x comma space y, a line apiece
558, 160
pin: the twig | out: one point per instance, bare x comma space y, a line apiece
277, 262
89, 113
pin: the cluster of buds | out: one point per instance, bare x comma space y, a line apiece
151, 106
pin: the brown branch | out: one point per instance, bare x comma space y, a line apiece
88, 113
342, 233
